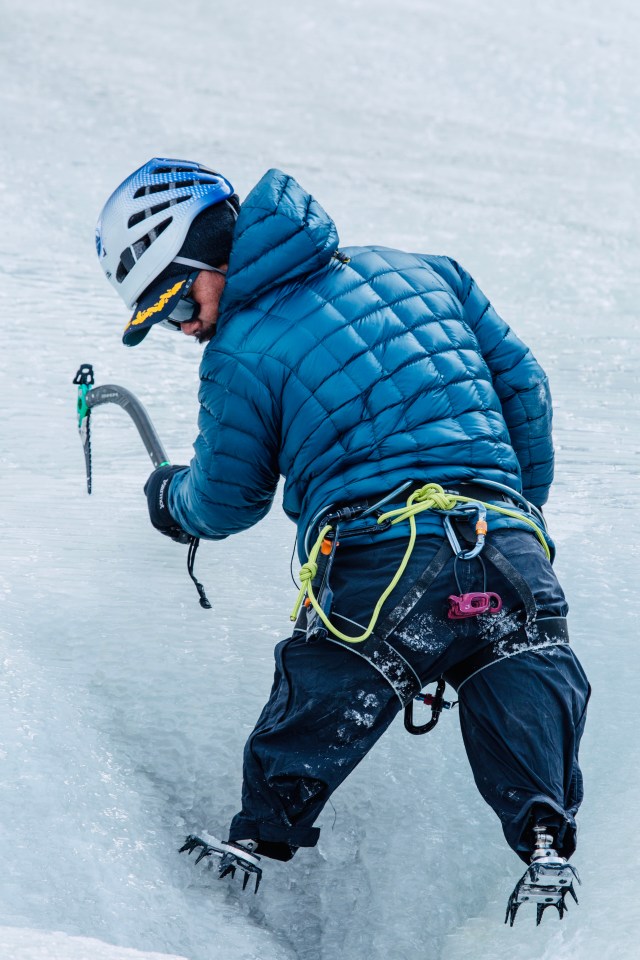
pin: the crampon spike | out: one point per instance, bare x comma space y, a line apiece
233, 856
545, 883
190, 844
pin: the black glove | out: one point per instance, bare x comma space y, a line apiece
156, 489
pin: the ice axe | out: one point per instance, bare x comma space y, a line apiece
90, 396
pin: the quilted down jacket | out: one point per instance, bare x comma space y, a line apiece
348, 372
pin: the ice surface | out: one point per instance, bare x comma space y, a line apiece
502, 134
25, 944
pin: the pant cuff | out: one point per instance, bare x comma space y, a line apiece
547, 812
274, 839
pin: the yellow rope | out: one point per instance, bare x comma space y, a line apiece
430, 496
309, 570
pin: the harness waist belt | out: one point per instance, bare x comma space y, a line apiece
544, 632
478, 492
475, 491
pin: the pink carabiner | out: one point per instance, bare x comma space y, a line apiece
473, 604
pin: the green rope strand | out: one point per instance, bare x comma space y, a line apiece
308, 571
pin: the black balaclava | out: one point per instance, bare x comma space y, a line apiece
209, 239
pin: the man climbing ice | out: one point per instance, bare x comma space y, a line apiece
413, 431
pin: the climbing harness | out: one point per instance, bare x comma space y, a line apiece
542, 632
313, 606
90, 396
431, 496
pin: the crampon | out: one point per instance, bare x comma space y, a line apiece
237, 855
546, 881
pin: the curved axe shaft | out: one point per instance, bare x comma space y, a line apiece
90, 396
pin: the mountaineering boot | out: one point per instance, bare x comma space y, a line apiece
234, 855
546, 882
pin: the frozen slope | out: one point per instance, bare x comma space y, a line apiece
502, 136
26, 944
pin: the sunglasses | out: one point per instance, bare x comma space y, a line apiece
187, 309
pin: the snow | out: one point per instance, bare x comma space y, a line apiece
26, 944
502, 134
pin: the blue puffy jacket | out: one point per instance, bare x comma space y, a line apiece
348, 372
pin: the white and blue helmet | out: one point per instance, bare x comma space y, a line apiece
144, 223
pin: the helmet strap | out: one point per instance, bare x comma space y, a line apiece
198, 264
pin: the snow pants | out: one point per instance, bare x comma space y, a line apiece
521, 717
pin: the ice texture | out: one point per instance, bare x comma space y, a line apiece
24, 944
502, 134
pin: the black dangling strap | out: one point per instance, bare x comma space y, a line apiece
194, 543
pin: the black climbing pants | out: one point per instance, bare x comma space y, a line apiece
522, 717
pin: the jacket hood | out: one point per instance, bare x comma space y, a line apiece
282, 233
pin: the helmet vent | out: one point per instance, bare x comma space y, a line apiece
166, 170
127, 260
160, 188
150, 211
145, 242
129, 256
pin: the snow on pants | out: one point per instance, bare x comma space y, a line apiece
522, 717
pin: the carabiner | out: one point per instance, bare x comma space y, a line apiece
437, 704
466, 511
